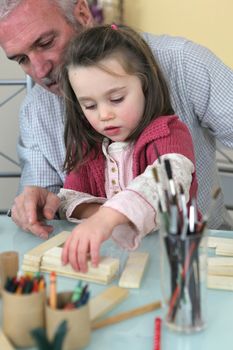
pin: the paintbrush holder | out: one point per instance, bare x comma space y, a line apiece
21, 314
183, 263
78, 322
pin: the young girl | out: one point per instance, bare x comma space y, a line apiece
118, 120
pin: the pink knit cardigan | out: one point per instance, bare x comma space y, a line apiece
170, 136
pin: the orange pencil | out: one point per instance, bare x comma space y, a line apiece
41, 284
53, 290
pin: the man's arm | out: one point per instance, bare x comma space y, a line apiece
41, 147
41, 153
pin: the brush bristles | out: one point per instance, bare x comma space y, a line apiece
155, 173
181, 189
168, 168
216, 193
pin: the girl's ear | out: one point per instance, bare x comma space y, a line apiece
83, 14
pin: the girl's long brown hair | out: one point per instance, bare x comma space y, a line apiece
88, 49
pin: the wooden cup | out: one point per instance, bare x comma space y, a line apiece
21, 314
9, 265
78, 319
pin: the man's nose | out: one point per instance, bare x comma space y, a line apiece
40, 66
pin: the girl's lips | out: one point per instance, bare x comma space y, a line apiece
112, 131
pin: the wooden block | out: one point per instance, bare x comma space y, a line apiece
37, 252
106, 271
220, 266
214, 242
126, 315
29, 268
133, 272
107, 265
225, 249
4, 342
106, 301
220, 282
33, 257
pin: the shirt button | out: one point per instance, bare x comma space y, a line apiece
113, 170
113, 182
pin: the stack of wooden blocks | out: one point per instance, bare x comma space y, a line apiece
47, 257
220, 265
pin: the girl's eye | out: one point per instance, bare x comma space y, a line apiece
117, 100
90, 107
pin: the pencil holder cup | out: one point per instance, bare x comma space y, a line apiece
21, 314
78, 322
9, 265
183, 269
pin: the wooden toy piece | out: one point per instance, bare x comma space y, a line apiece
214, 242
32, 259
106, 301
106, 271
133, 272
220, 266
126, 315
4, 342
220, 282
225, 249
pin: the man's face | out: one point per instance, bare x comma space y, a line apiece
35, 35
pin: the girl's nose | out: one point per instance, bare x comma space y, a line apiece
105, 114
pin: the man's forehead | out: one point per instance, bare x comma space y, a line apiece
19, 30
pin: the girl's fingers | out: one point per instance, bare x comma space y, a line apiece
65, 251
82, 253
95, 249
73, 253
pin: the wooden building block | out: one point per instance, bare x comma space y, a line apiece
106, 271
225, 249
220, 282
220, 266
133, 272
213, 242
4, 342
32, 259
47, 257
126, 315
106, 301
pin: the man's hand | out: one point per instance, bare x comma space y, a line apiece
32, 207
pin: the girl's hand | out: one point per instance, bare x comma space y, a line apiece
87, 237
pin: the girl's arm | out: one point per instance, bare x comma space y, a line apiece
139, 201
87, 237
131, 207
85, 210
76, 205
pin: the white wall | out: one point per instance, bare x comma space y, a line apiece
9, 128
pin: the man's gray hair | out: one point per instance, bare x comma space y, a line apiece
67, 6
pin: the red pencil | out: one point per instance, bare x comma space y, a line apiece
157, 334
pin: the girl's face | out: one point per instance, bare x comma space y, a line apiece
113, 103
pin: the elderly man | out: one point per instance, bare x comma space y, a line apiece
35, 34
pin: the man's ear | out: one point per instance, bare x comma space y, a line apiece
83, 14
